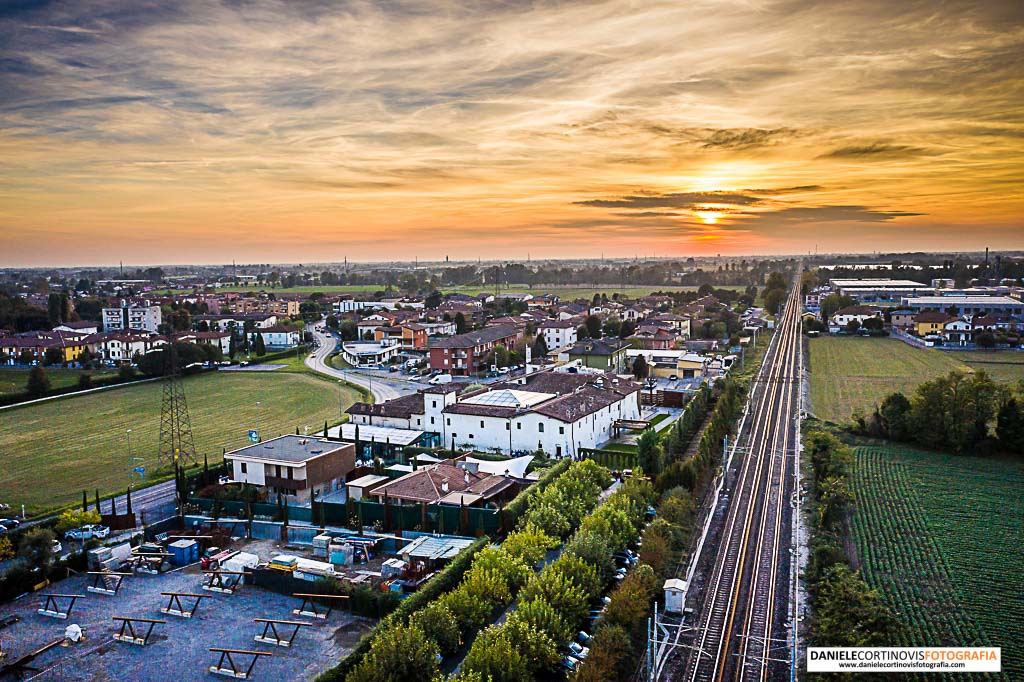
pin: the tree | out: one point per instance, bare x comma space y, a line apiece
650, 454
6, 549
640, 368
540, 347
593, 325
873, 324
53, 308
773, 299
38, 383
497, 658
985, 339
849, 613
852, 326
461, 326
833, 302
53, 356
894, 413
36, 548
438, 625
349, 330
259, 346
401, 652
84, 382
1010, 426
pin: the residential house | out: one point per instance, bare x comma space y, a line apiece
445, 483
142, 316
221, 340
678, 322
471, 353
280, 337
608, 355
902, 318
652, 337
859, 313
293, 468
558, 333
958, 332
930, 322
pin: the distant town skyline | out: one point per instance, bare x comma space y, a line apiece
197, 132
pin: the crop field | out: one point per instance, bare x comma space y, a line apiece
939, 537
13, 380
54, 450
853, 374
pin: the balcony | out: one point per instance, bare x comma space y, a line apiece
293, 483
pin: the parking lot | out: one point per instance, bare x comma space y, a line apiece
179, 649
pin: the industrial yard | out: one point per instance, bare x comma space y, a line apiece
179, 647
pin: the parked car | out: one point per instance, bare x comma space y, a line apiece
583, 638
87, 532
578, 650
57, 547
569, 664
10, 524
673, 377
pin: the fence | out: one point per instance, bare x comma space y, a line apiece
439, 518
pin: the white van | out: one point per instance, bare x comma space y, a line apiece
441, 379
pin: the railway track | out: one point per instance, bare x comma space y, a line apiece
741, 633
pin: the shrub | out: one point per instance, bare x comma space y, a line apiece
402, 653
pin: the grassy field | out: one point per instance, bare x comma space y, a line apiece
13, 380
939, 536
850, 374
564, 291
54, 450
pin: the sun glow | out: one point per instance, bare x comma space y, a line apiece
708, 217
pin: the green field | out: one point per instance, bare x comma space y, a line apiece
563, 291
853, 374
940, 537
54, 450
14, 380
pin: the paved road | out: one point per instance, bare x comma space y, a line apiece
742, 633
382, 389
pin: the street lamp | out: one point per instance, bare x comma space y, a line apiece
131, 463
258, 434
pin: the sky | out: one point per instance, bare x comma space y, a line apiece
205, 132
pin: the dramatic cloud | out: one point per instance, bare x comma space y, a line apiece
745, 138
276, 130
875, 149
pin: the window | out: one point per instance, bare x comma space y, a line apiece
471, 436
278, 470
433, 404
431, 420
519, 426
481, 423
540, 427
558, 451
244, 470
561, 429
449, 420
508, 427
291, 472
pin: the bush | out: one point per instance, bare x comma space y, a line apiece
75, 518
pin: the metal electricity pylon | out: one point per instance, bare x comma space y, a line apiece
176, 443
